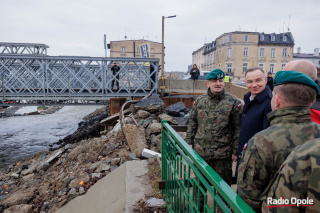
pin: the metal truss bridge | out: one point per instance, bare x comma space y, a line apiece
29, 76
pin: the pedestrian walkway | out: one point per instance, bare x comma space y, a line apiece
115, 193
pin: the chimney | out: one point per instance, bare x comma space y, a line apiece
299, 50
316, 52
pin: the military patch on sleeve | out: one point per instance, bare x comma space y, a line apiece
245, 146
239, 105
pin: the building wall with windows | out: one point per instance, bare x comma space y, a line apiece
130, 49
198, 57
313, 57
235, 52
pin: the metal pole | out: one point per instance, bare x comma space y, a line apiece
162, 61
105, 44
3, 89
162, 55
69, 87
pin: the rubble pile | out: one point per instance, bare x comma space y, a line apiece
10, 111
88, 128
49, 180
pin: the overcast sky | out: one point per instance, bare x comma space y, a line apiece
76, 27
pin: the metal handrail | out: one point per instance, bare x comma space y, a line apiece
187, 175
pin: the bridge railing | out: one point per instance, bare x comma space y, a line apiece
187, 176
70, 78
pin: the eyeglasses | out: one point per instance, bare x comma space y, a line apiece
258, 81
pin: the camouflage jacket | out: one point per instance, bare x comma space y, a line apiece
214, 125
298, 177
267, 150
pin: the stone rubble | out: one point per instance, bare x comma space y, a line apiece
49, 180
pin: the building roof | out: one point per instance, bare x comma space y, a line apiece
305, 55
210, 47
145, 40
266, 39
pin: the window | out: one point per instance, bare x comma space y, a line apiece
284, 38
123, 55
261, 37
261, 66
229, 52
284, 53
138, 50
273, 52
123, 49
214, 56
282, 66
271, 68
273, 37
246, 38
261, 52
244, 67
245, 52
230, 38
229, 68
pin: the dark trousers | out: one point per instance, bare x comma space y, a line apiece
223, 167
114, 81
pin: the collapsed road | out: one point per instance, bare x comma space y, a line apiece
49, 180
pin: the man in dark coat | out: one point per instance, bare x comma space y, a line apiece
270, 81
257, 104
115, 69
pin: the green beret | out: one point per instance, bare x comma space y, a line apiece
287, 77
215, 74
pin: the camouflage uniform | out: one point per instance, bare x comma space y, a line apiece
214, 127
267, 150
298, 177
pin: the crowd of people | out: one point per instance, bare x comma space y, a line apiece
274, 137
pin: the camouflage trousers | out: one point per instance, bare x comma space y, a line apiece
223, 167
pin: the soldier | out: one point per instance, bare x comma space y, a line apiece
308, 68
214, 126
290, 126
298, 178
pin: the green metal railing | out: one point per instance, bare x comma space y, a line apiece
187, 176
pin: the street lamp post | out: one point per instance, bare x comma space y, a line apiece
162, 57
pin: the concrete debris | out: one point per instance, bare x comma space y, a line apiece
17, 198
81, 190
155, 202
177, 109
147, 153
153, 128
115, 161
110, 148
111, 119
132, 156
135, 137
182, 121
151, 104
30, 170
142, 114
22, 208
168, 118
96, 175
15, 175
156, 141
